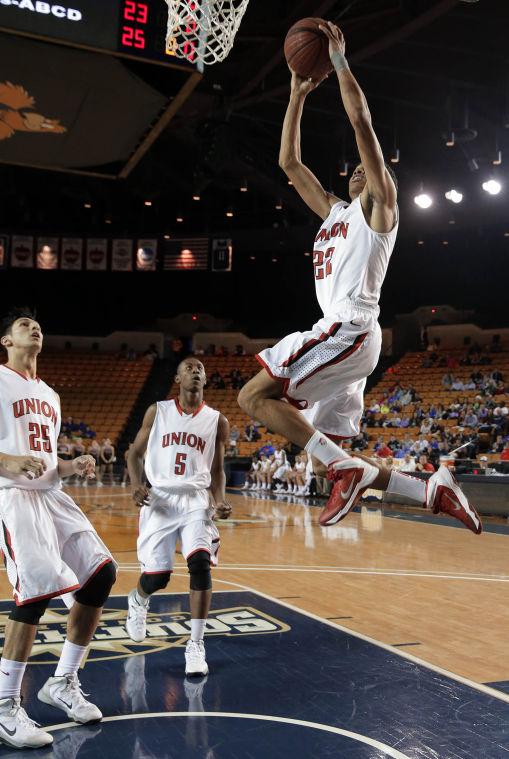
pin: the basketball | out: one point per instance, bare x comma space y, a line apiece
307, 49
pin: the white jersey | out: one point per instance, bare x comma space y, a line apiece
280, 458
181, 448
29, 426
350, 259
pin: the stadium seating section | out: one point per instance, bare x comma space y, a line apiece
98, 388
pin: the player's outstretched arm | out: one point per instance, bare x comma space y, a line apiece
303, 179
217, 475
379, 185
135, 457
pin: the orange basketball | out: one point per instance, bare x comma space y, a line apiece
307, 49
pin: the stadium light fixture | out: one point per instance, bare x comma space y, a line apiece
454, 196
344, 170
243, 186
148, 203
179, 219
451, 140
492, 187
229, 213
279, 205
423, 200
498, 158
395, 156
196, 196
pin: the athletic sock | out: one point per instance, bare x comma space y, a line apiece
70, 659
11, 675
407, 486
324, 449
197, 629
141, 599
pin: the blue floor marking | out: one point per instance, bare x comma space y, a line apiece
266, 659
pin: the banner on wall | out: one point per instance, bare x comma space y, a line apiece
72, 253
146, 255
97, 254
22, 255
122, 255
46, 253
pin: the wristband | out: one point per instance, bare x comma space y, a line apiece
339, 62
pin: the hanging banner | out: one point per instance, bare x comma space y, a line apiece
146, 255
72, 254
122, 255
97, 253
47, 253
22, 256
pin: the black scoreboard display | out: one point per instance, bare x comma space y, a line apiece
121, 27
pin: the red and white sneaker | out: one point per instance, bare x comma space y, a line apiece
444, 494
351, 478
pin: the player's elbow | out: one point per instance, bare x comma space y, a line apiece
287, 163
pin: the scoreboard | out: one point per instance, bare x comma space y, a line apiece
120, 27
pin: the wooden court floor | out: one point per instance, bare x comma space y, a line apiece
436, 592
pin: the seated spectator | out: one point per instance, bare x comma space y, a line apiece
383, 451
424, 465
239, 350
68, 426
234, 441
267, 449
447, 380
216, 381
425, 428
457, 384
504, 456
64, 447
151, 352
360, 442
223, 351
470, 419
384, 408
251, 434
80, 428
501, 410
251, 480
89, 433
408, 464
236, 379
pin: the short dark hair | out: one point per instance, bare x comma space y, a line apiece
393, 175
17, 312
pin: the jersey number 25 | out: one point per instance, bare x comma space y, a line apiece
39, 438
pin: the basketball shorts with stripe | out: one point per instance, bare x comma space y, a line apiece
324, 370
171, 519
49, 546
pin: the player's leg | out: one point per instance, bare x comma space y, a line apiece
340, 417
199, 542
157, 540
92, 563
16, 728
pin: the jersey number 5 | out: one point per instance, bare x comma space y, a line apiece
39, 439
180, 463
319, 258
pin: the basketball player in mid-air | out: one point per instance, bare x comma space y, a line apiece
184, 442
322, 373
49, 546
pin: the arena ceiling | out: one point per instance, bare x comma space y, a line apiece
428, 68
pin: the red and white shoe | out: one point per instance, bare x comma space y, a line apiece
351, 478
444, 494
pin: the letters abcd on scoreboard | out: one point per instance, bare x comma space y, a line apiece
121, 27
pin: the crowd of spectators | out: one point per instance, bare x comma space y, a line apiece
77, 439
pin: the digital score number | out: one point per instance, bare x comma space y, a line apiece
138, 30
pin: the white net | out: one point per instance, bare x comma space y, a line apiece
203, 31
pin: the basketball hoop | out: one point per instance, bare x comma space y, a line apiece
203, 31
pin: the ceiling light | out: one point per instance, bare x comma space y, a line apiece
445, 242
420, 242
395, 156
498, 158
454, 196
243, 186
87, 205
344, 170
450, 140
229, 213
279, 205
167, 237
179, 219
290, 183
492, 187
423, 200
196, 196
148, 202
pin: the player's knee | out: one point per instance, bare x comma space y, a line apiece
96, 591
199, 569
29, 613
150, 583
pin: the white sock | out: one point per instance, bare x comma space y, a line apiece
70, 659
197, 629
407, 486
141, 599
324, 449
11, 675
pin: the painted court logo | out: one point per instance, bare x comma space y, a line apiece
164, 630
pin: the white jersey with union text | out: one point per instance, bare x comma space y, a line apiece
350, 259
29, 426
181, 448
